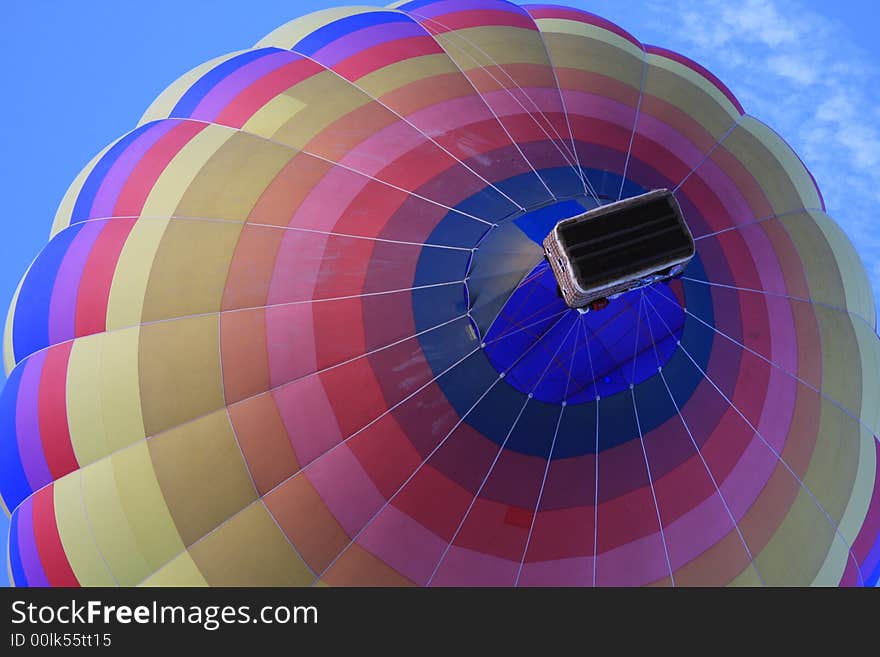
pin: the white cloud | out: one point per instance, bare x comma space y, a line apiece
760, 19
797, 71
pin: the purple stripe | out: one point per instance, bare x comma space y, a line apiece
62, 306
452, 6
27, 423
111, 186
233, 84
356, 42
27, 546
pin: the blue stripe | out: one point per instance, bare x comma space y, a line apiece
18, 578
434, 265
14, 485
313, 42
526, 188
30, 327
874, 578
416, 4
537, 224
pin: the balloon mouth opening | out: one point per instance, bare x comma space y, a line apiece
547, 349
626, 245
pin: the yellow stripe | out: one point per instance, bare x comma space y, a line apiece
109, 524
73, 526
189, 273
798, 548
327, 98
130, 280
231, 181
693, 78
144, 505
84, 412
399, 74
587, 31
841, 476
273, 115
835, 565
120, 388
787, 160
126, 300
162, 106
821, 264
202, 473
182, 170
8, 350
179, 369
181, 571
856, 284
748, 577
581, 52
477, 47
250, 550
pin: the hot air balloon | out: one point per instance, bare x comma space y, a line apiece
297, 328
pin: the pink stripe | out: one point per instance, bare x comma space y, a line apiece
727, 193
227, 89
294, 275
114, 181
404, 544
635, 563
670, 139
575, 571
290, 341
62, 307
697, 531
308, 418
382, 148
356, 42
348, 492
464, 567
605, 109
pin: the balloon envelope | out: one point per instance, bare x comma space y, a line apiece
296, 328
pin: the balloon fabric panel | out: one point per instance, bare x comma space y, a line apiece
296, 328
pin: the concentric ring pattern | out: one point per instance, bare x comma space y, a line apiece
295, 328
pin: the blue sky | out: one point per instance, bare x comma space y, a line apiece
79, 74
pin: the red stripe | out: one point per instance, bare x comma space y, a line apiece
461, 20
52, 407
144, 175
97, 276
385, 54
49, 547
94, 285
251, 99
